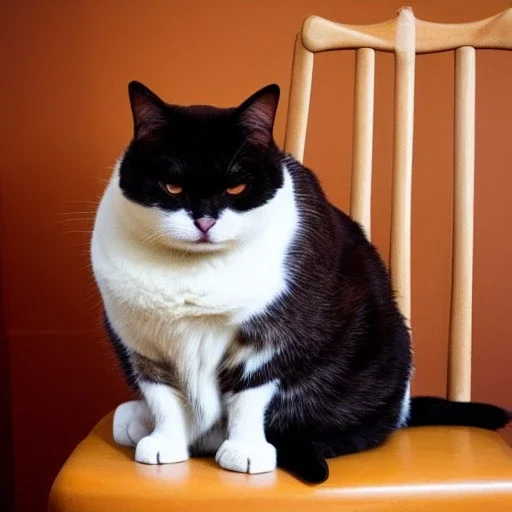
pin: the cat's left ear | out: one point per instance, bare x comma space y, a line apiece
258, 114
148, 111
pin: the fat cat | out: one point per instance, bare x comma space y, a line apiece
253, 317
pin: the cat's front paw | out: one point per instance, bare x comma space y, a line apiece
158, 449
247, 457
132, 421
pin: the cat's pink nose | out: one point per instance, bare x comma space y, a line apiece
204, 223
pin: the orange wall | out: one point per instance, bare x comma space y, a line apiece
65, 118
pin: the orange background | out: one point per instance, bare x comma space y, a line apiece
65, 119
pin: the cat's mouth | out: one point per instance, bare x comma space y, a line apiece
204, 239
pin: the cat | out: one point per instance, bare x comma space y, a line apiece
254, 318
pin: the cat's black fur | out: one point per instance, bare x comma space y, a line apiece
345, 358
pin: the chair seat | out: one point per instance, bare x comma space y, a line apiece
423, 468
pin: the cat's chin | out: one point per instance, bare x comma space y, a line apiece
200, 246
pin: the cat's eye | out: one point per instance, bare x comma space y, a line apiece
172, 189
234, 191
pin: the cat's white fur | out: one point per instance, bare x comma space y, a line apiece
406, 406
171, 298
132, 421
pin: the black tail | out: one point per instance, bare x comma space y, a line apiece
303, 459
426, 410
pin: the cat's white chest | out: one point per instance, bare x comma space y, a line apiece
197, 348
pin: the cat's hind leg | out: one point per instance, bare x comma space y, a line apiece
132, 421
305, 456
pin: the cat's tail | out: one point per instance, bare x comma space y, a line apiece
426, 410
302, 458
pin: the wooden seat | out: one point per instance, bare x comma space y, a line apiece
423, 468
420, 469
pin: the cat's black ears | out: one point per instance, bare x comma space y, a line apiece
258, 113
148, 110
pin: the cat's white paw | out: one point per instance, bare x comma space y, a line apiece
132, 422
157, 449
247, 457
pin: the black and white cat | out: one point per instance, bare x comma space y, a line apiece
254, 318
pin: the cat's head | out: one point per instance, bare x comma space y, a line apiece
200, 177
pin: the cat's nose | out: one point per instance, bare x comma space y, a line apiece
204, 223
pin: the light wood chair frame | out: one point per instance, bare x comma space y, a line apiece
407, 36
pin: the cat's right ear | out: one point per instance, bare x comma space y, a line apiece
258, 113
148, 111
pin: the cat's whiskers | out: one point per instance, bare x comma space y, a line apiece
158, 235
80, 201
65, 221
90, 213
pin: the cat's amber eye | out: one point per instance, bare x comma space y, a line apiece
173, 189
234, 191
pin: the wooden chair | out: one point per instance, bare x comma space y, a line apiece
428, 468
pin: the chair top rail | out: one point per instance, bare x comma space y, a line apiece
320, 34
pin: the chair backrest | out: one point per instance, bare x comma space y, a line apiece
406, 36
